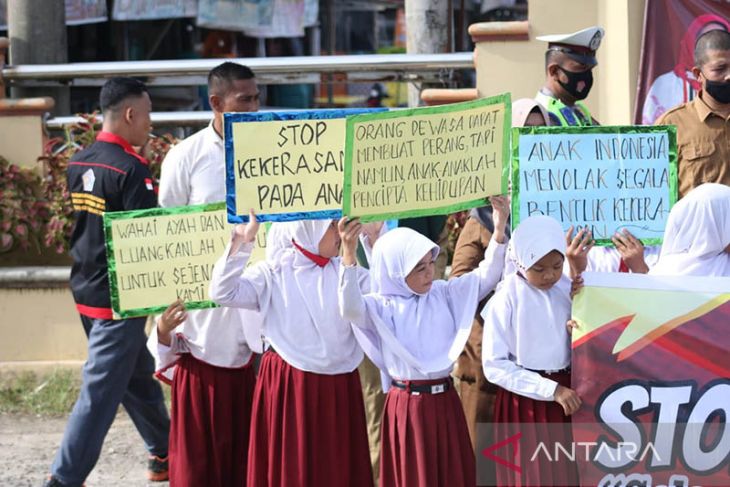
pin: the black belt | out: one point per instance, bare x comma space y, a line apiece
411, 388
566, 370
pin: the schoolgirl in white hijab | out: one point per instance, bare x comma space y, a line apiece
308, 420
697, 236
526, 347
413, 328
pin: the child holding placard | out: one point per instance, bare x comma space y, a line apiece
628, 254
413, 328
308, 420
526, 352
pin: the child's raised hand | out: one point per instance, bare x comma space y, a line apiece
631, 250
170, 319
577, 249
500, 215
568, 399
247, 233
572, 325
349, 234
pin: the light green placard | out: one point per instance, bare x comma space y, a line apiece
605, 178
158, 255
426, 161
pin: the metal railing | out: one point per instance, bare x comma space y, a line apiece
34, 277
178, 119
269, 70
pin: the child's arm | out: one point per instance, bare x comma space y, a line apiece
568, 399
489, 271
497, 361
352, 304
577, 250
170, 319
163, 344
228, 287
469, 251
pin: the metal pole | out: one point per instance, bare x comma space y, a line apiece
278, 66
37, 31
331, 43
427, 27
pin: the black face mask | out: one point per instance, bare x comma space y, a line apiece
574, 79
719, 90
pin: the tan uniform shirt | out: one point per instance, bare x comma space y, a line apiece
703, 144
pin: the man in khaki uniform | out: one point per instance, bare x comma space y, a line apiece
703, 124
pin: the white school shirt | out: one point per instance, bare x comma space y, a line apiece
608, 259
323, 346
193, 173
525, 328
427, 346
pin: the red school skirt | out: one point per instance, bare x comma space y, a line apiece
209, 423
307, 429
540, 425
424, 440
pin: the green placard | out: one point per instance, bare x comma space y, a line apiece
158, 255
426, 161
605, 178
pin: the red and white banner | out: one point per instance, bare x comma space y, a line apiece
651, 363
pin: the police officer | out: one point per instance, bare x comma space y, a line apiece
569, 63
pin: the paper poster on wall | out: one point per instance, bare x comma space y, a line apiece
153, 9
158, 255
235, 15
603, 178
426, 161
285, 165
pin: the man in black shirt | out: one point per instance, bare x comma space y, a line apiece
110, 176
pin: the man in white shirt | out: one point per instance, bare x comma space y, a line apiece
194, 170
213, 380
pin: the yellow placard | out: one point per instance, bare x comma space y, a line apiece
426, 161
159, 255
289, 166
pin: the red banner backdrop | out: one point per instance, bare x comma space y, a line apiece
652, 367
670, 30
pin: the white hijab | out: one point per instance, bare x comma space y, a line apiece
395, 255
534, 238
426, 332
697, 233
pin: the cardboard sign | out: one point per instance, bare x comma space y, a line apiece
285, 165
426, 161
158, 255
603, 178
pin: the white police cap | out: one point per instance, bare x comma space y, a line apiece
581, 45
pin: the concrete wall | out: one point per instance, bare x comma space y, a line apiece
518, 66
39, 325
